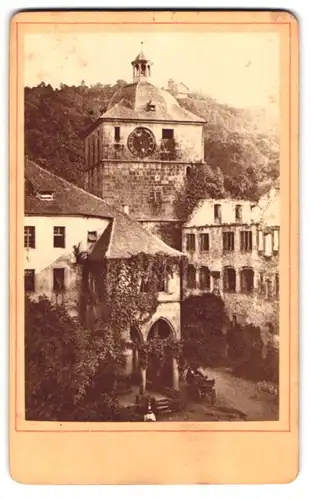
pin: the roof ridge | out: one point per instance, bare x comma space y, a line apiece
112, 228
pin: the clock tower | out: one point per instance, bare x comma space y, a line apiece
138, 153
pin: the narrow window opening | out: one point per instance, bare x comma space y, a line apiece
217, 214
228, 241
238, 213
58, 280
29, 280
204, 242
247, 280
117, 134
59, 237
29, 237
246, 241
190, 242
205, 278
191, 277
229, 279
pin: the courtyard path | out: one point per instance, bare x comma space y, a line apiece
240, 394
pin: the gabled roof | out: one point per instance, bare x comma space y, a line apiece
124, 236
68, 199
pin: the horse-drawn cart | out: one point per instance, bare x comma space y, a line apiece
201, 387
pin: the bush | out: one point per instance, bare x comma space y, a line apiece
271, 365
64, 364
203, 318
245, 351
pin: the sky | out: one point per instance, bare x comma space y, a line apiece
239, 69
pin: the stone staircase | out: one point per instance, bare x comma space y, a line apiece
163, 405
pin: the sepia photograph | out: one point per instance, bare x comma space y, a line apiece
151, 226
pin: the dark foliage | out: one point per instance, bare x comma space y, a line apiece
64, 363
245, 351
55, 121
203, 318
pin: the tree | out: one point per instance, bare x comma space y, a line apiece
202, 182
62, 361
245, 350
203, 318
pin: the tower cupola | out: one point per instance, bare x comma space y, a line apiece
141, 67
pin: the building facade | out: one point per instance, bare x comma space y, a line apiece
138, 152
66, 227
233, 250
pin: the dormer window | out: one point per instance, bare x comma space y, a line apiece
91, 236
151, 106
45, 195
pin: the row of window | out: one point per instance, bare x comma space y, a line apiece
59, 237
264, 286
238, 213
58, 280
228, 241
267, 243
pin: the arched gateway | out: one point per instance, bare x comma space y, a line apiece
159, 373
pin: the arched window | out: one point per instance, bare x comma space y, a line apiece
229, 279
247, 280
205, 278
188, 171
191, 276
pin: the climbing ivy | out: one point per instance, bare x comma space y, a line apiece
128, 288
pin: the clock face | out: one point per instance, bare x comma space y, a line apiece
141, 142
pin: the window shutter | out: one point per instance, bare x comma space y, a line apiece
276, 240
260, 241
268, 245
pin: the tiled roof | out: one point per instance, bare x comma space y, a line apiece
68, 199
124, 236
130, 102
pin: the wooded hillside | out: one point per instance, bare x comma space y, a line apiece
241, 146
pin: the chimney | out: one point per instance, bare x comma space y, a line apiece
126, 209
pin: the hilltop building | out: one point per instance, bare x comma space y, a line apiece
178, 89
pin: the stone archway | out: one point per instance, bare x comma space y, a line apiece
161, 328
165, 375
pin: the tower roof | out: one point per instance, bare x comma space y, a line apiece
131, 102
141, 56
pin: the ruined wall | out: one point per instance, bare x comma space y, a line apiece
255, 307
